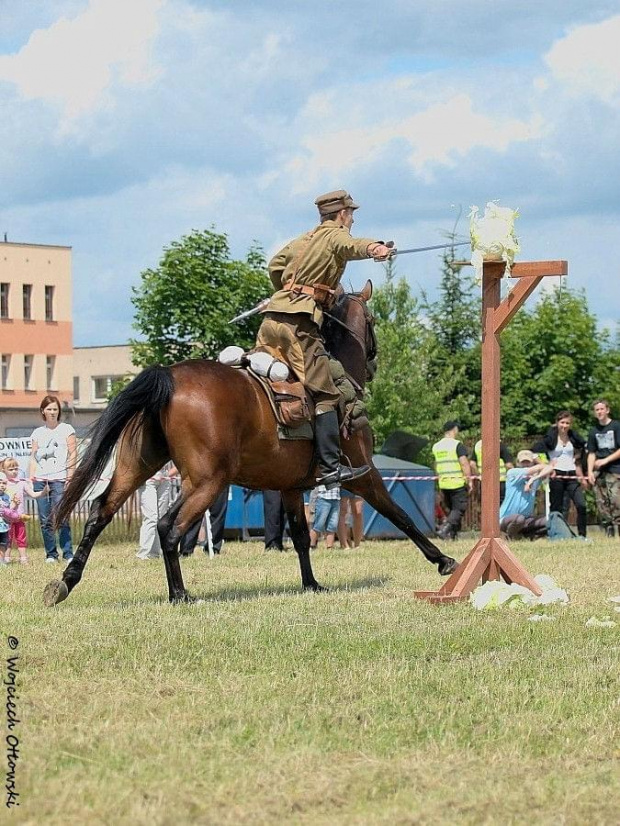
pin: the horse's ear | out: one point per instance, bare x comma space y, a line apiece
366, 293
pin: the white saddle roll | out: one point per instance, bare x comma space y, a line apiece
265, 365
231, 355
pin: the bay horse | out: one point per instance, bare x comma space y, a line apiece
217, 426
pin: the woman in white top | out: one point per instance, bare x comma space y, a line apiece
52, 462
566, 447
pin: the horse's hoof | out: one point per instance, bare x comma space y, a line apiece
448, 566
55, 591
316, 588
183, 599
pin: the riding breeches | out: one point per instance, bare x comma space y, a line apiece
297, 339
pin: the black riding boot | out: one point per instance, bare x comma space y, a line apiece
327, 436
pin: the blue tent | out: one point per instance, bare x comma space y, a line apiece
416, 497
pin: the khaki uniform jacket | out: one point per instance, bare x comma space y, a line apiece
316, 257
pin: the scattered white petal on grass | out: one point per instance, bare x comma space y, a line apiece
614, 599
617, 609
551, 592
541, 618
594, 622
494, 594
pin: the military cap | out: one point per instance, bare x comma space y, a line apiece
334, 202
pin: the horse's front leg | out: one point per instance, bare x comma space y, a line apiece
294, 505
373, 490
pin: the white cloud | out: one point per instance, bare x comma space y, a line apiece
439, 135
75, 63
587, 60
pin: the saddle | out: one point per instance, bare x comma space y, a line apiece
292, 405
294, 409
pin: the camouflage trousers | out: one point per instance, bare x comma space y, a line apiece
607, 491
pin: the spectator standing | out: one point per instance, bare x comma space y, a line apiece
52, 462
154, 503
604, 466
274, 519
350, 520
505, 464
5, 507
18, 489
566, 449
516, 515
326, 513
454, 472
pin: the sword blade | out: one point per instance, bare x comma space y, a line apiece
253, 311
434, 247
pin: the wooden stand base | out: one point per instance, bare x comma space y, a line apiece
490, 559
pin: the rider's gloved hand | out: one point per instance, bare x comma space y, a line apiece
381, 251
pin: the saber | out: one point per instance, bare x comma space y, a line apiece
434, 247
259, 308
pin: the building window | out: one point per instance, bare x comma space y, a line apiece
50, 364
102, 386
28, 362
49, 303
76, 388
5, 371
27, 301
4, 300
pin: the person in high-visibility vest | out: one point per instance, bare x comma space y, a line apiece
505, 463
455, 478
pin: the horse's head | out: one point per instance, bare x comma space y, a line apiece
349, 331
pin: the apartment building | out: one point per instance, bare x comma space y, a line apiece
36, 346
95, 371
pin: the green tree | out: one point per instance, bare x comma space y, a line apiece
554, 357
402, 395
184, 305
454, 321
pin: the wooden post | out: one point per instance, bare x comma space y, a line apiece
490, 557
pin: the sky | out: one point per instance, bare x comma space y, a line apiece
129, 124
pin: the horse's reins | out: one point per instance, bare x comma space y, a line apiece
372, 352
369, 353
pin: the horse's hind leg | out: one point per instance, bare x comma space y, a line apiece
190, 505
99, 516
136, 462
294, 505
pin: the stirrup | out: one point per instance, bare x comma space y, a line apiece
341, 474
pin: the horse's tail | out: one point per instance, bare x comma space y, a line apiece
144, 398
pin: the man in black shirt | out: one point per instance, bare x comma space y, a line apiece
604, 465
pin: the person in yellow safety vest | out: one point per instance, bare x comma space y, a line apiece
505, 463
455, 478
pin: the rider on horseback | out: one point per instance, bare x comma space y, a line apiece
305, 274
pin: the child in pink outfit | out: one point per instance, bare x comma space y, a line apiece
17, 489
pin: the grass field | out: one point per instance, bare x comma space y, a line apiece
266, 705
